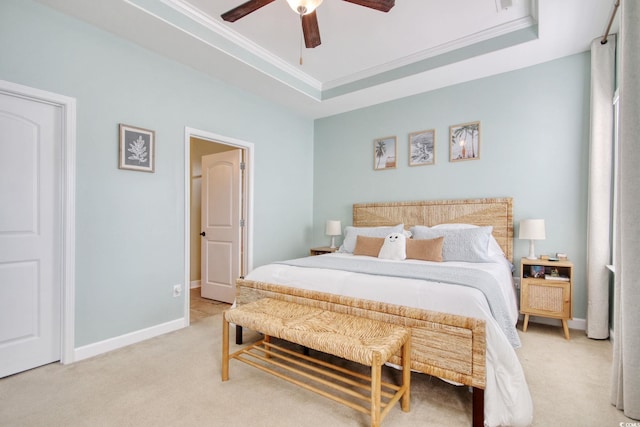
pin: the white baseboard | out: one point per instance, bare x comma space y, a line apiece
580, 324
115, 343
195, 284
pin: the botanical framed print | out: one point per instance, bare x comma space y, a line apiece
464, 141
384, 153
422, 148
137, 148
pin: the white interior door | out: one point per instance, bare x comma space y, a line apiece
221, 214
30, 231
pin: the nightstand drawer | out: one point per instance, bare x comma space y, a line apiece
546, 298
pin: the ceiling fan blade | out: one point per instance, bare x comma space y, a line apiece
381, 5
311, 30
244, 9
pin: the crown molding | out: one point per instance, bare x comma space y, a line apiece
460, 43
232, 43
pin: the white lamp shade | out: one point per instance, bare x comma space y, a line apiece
333, 228
304, 6
532, 229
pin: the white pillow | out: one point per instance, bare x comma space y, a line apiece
468, 244
494, 248
454, 226
351, 234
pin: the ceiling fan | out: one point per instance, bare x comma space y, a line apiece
307, 11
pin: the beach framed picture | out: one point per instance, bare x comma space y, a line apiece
384, 153
464, 142
422, 148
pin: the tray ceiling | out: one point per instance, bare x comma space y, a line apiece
366, 56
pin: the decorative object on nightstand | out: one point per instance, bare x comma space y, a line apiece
549, 295
322, 250
532, 229
333, 228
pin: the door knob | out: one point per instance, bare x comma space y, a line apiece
203, 234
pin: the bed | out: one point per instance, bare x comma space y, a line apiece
462, 332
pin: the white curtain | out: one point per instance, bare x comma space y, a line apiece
626, 344
603, 58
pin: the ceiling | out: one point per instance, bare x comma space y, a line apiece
366, 56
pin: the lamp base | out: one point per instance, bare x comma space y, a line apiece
532, 252
333, 242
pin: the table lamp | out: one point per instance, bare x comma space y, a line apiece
532, 229
333, 229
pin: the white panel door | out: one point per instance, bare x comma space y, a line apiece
30, 232
221, 212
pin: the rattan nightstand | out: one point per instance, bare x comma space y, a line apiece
549, 295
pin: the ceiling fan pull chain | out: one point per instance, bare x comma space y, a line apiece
301, 39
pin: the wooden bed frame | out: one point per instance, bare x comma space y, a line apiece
448, 346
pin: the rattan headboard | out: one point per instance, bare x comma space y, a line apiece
497, 212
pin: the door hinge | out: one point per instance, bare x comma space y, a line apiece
242, 223
242, 166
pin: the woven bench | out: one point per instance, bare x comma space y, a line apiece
365, 341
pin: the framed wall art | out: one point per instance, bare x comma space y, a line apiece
137, 149
384, 153
422, 148
464, 141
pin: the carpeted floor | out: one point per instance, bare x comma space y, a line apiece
174, 380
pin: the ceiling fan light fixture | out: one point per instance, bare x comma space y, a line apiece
304, 7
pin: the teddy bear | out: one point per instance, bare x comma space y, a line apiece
394, 247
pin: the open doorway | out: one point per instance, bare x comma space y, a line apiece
198, 145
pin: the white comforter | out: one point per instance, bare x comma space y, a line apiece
507, 398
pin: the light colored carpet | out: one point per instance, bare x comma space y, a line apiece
174, 380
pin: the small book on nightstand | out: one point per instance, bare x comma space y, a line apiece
558, 278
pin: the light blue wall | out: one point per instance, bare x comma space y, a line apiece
534, 148
130, 238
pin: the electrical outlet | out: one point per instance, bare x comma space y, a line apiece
516, 282
177, 290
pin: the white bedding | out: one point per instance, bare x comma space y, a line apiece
507, 398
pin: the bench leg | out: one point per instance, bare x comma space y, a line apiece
238, 335
225, 348
267, 339
406, 375
376, 382
478, 407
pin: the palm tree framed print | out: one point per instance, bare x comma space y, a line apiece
137, 149
384, 153
464, 141
422, 148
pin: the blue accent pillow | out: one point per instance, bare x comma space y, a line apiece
466, 244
